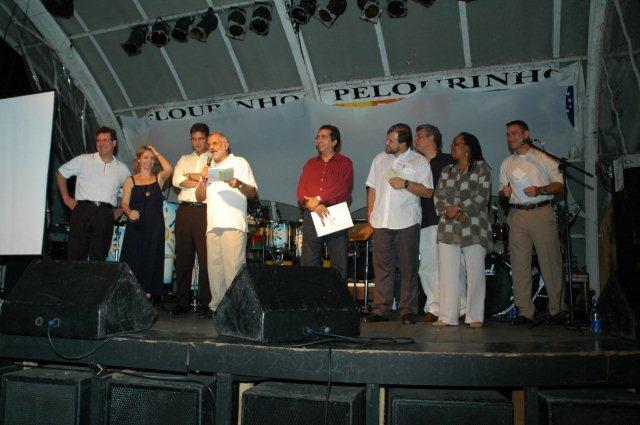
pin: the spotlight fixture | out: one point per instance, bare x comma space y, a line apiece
181, 29
397, 8
371, 10
331, 11
260, 19
208, 23
301, 12
137, 37
429, 3
159, 36
59, 8
237, 23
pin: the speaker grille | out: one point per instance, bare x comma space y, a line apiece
293, 404
133, 401
593, 407
41, 396
455, 407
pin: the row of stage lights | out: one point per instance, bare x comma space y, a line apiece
300, 12
161, 32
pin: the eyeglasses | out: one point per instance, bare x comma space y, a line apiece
108, 139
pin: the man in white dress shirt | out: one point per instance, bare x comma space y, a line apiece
226, 215
398, 178
98, 177
191, 223
530, 178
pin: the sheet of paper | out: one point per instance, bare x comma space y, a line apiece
391, 172
220, 174
339, 218
520, 185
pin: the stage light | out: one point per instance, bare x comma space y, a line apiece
371, 10
429, 3
332, 11
236, 23
208, 23
260, 19
59, 8
159, 36
302, 11
137, 37
181, 29
397, 8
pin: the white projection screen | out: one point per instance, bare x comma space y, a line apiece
25, 145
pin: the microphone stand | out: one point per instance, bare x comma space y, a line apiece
565, 240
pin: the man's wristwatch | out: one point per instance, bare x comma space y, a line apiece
406, 184
544, 191
240, 186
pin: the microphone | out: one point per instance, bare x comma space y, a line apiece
541, 143
209, 161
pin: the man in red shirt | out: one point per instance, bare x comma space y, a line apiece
327, 179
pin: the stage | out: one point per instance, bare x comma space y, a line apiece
498, 356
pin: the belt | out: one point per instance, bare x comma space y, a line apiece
96, 203
530, 206
193, 204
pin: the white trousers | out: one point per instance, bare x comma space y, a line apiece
449, 272
226, 253
428, 272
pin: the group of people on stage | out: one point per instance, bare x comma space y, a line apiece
429, 212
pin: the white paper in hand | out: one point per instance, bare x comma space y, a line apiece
339, 218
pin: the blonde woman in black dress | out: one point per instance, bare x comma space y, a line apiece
143, 245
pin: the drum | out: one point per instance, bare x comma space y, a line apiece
298, 240
169, 210
499, 301
500, 238
116, 243
278, 236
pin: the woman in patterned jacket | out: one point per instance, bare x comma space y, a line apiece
464, 230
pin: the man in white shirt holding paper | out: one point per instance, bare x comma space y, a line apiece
398, 178
530, 179
326, 180
226, 214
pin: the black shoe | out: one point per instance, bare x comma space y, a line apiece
206, 314
521, 320
373, 318
409, 319
179, 311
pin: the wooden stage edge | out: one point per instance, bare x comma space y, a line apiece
498, 356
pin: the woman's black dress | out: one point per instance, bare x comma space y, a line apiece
143, 244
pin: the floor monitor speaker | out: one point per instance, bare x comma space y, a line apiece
273, 303
76, 299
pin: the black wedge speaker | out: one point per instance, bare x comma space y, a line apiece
273, 303
76, 299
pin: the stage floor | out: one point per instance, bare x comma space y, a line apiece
497, 356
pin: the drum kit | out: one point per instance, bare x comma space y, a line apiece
499, 299
272, 240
